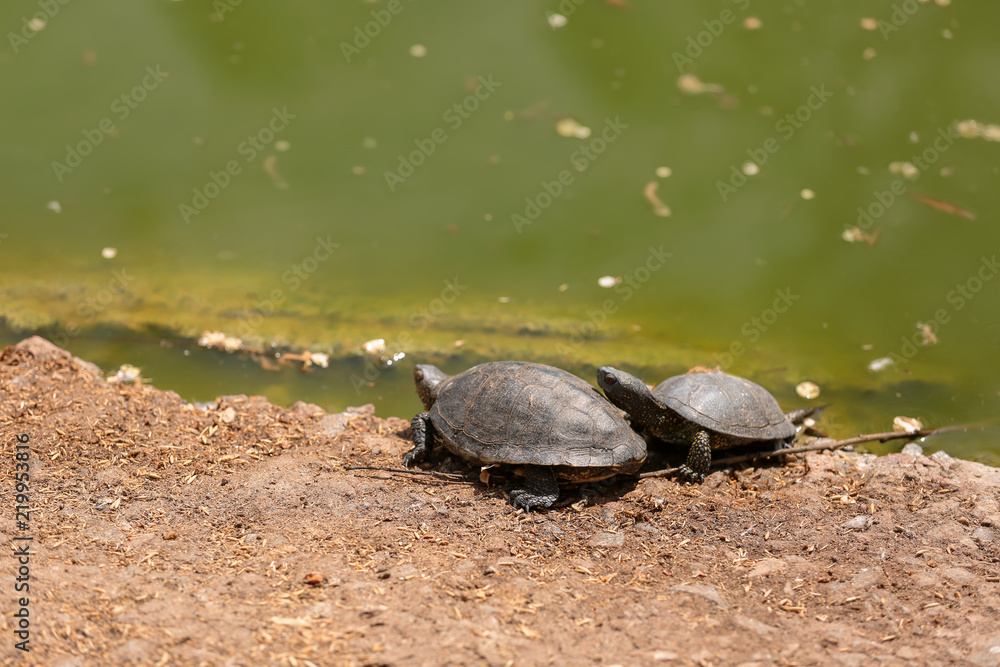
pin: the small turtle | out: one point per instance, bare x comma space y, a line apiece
543, 422
709, 410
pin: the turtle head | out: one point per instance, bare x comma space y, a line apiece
427, 378
630, 394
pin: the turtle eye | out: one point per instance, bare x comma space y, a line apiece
610, 379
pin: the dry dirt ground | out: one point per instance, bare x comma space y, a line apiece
167, 534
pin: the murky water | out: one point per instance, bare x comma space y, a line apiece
456, 179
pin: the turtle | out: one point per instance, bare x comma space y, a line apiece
711, 410
545, 423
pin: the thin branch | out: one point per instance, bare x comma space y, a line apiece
450, 476
819, 446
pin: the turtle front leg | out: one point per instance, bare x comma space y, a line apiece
539, 489
423, 439
699, 458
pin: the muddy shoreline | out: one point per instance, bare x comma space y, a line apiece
163, 533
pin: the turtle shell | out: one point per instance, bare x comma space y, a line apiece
726, 404
522, 413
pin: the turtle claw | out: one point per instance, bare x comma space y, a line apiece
688, 475
539, 489
523, 498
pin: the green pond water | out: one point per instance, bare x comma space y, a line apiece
318, 175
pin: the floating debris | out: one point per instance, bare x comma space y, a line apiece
751, 168
557, 21
929, 337
281, 145
418, 50
907, 170
308, 359
126, 373
906, 424
807, 389
54, 206
944, 206
664, 172
692, 85
869, 53
752, 23
570, 127
563, 287
854, 235
220, 341
109, 253
869, 23
659, 208
269, 168
374, 346
807, 194
608, 281
880, 364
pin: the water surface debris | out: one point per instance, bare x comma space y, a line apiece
807, 389
943, 206
692, 85
906, 424
570, 127
659, 208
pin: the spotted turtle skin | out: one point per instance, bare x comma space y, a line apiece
710, 411
545, 423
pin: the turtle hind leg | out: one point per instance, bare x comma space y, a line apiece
699, 458
538, 489
423, 439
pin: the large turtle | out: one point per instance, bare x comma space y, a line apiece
709, 410
543, 422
